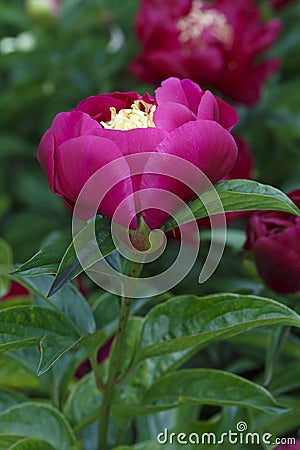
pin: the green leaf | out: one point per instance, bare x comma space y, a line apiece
132, 336
31, 444
276, 339
187, 321
282, 424
203, 386
83, 400
15, 301
47, 259
38, 421
14, 374
286, 378
237, 195
23, 326
10, 397
5, 260
69, 301
106, 310
69, 266
7, 441
258, 340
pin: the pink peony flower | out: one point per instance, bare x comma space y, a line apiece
182, 120
274, 238
214, 43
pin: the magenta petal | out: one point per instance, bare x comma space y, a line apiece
138, 140
78, 159
213, 108
98, 106
228, 117
68, 125
170, 115
208, 108
184, 92
203, 143
45, 155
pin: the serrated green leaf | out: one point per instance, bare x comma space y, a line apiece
69, 266
202, 386
37, 421
187, 321
237, 195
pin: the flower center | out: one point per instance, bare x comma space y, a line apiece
139, 115
197, 20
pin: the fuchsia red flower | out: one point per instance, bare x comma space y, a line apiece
182, 120
274, 238
214, 43
278, 4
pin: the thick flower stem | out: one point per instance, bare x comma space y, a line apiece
114, 367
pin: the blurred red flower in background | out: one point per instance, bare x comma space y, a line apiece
215, 44
102, 355
16, 290
274, 238
277, 4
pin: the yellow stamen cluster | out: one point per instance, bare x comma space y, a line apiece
193, 24
139, 115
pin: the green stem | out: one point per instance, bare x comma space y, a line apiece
98, 378
114, 367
